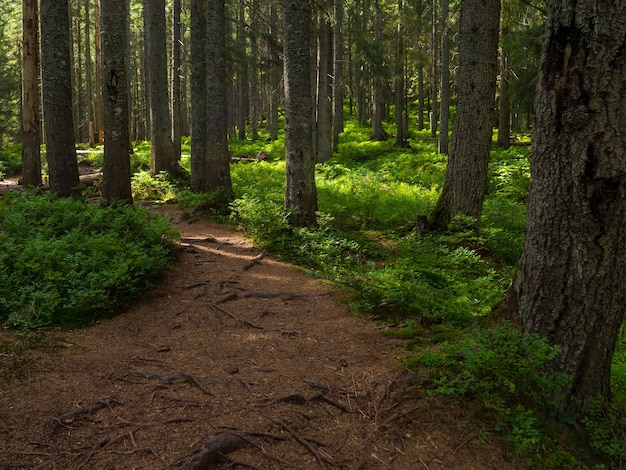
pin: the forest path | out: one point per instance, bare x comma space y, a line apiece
255, 358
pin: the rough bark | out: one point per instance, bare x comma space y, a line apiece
378, 103
163, 157
31, 123
176, 82
338, 69
57, 96
300, 191
571, 282
434, 88
444, 114
197, 87
504, 116
217, 153
402, 138
324, 91
115, 93
98, 46
88, 76
466, 175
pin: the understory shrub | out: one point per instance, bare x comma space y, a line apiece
65, 262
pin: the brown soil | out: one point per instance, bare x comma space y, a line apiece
256, 359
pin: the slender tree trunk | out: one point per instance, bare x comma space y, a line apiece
57, 96
445, 78
88, 76
115, 91
163, 157
300, 191
434, 91
466, 175
99, 118
242, 74
504, 116
571, 281
378, 133
254, 71
402, 139
198, 26
275, 75
217, 153
31, 130
324, 92
338, 69
176, 83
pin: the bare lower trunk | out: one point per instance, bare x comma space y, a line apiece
571, 282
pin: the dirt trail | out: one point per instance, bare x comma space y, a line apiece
255, 355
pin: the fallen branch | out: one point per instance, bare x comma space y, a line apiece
177, 377
256, 260
301, 399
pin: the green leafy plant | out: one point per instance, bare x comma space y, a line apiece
65, 262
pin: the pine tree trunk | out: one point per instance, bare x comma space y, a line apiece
197, 86
402, 139
217, 153
445, 78
163, 157
338, 69
324, 92
434, 88
300, 191
378, 133
88, 76
466, 175
98, 123
504, 116
571, 282
57, 96
115, 93
31, 130
176, 83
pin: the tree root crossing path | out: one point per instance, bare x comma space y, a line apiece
233, 360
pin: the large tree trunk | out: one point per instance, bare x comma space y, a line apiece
571, 282
88, 76
57, 96
115, 93
300, 191
217, 153
163, 157
434, 88
31, 127
98, 45
466, 175
197, 87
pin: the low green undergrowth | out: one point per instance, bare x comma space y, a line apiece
65, 262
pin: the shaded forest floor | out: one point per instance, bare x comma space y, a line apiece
264, 365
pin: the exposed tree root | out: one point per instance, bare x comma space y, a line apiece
210, 452
67, 419
256, 260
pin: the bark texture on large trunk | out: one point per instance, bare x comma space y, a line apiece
300, 191
31, 122
466, 175
57, 96
197, 88
217, 153
571, 283
163, 157
116, 95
